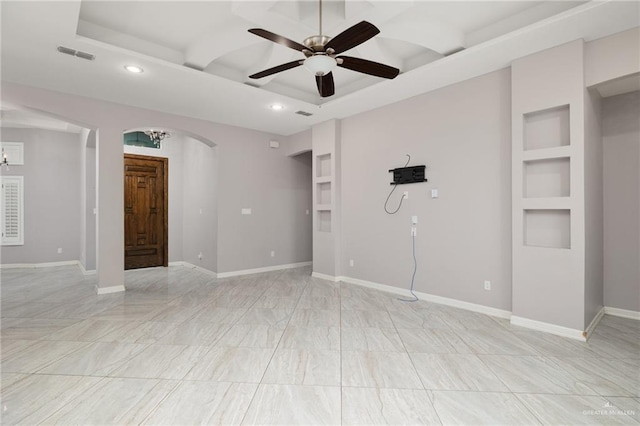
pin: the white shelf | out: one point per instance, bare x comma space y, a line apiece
547, 178
324, 221
550, 203
547, 228
323, 207
323, 179
546, 153
547, 128
323, 166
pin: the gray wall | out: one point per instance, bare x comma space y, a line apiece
621, 141
299, 143
88, 199
200, 204
52, 196
593, 197
276, 188
462, 134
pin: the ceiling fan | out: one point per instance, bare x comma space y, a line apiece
321, 53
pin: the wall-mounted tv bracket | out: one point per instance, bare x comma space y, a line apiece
413, 174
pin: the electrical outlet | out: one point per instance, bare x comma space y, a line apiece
273, 253
405, 195
487, 285
200, 255
351, 262
307, 211
414, 220
434, 193
59, 250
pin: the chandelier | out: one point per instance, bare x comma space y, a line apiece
4, 161
157, 136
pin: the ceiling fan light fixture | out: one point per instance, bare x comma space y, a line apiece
320, 65
134, 69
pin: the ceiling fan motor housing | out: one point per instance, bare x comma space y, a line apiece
316, 43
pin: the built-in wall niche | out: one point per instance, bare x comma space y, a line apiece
323, 165
323, 193
547, 228
547, 128
324, 220
547, 178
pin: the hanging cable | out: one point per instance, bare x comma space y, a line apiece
415, 269
393, 189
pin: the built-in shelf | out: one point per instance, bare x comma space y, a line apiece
547, 153
323, 166
323, 193
324, 221
545, 178
546, 128
547, 228
563, 203
323, 196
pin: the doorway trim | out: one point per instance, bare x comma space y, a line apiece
165, 165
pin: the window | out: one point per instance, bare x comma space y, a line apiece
12, 211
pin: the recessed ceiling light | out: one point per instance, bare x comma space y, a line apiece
277, 107
134, 69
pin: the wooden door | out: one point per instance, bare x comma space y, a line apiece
145, 211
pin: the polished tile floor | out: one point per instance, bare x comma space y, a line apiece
181, 348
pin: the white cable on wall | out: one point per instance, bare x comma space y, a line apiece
413, 238
415, 269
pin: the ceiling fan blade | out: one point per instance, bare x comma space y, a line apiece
278, 39
367, 67
325, 85
277, 69
351, 37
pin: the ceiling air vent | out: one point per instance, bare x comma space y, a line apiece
79, 54
305, 113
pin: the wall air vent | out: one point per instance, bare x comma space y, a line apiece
305, 113
77, 53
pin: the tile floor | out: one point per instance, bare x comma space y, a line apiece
182, 348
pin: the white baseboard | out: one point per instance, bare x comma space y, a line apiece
86, 272
487, 310
623, 313
196, 267
39, 265
265, 269
558, 330
594, 323
109, 290
326, 277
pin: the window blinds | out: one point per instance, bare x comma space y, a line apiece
12, 210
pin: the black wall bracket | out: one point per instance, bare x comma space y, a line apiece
413, 174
